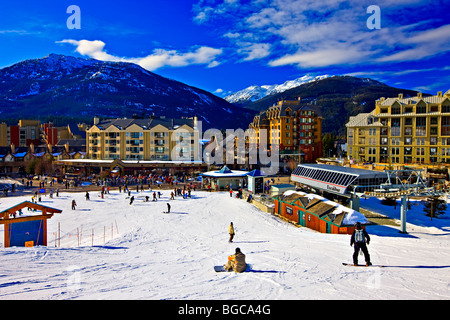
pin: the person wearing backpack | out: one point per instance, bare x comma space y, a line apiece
359, 238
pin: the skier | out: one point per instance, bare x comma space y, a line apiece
87, 195
236, 262
231, 232
168, 208
74, 204
358, 238
131, 200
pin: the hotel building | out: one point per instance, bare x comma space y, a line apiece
402, 130
153, 139
298, 131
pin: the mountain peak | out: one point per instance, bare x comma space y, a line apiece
256, 92
71, 87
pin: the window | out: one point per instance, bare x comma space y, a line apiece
446, 108
408, 141
408, 131
445, 126
433, 141
395, 127
422, 108
395, 109
421, 126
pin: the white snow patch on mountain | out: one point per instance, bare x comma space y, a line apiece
255, 92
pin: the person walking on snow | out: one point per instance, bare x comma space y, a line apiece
236, 262
231, 232
359, 239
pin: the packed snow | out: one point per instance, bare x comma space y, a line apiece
111, 249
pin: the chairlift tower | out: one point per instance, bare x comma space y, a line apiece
402, 184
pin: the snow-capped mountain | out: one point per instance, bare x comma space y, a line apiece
67, 87
254, 92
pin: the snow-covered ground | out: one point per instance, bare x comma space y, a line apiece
141, 253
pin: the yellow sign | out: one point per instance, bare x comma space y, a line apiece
29, 244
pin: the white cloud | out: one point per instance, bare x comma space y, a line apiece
422, 44
255, 51
311, 33
158, 59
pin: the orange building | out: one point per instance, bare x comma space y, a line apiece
317, 213
297, 130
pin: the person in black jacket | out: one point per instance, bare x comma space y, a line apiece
359, 238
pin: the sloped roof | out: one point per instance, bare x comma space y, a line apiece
255, 173
321, 207
145, 124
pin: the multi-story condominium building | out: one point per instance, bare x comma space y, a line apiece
297, 131
25, 133
143, 139
402, 131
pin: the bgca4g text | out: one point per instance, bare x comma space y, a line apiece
246, 309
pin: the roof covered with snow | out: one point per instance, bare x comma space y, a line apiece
225, 173
320, 206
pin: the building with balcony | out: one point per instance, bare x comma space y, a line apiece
402, 130
153, 139
296, 129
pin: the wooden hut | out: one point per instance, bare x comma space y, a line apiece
317, 213
26, 229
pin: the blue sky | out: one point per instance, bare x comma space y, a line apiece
226, 45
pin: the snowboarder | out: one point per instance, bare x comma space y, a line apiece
87, 195
358, 238
231, 232
74, 204
168, 208
236, 262
131, 200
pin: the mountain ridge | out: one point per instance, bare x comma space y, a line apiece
70, 87
253, 93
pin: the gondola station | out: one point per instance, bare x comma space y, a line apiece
29, 228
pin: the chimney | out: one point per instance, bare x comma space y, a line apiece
439, 94
13, 148
400, 96
96, 120
419, 95
32, 148
67, 147
50, 147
